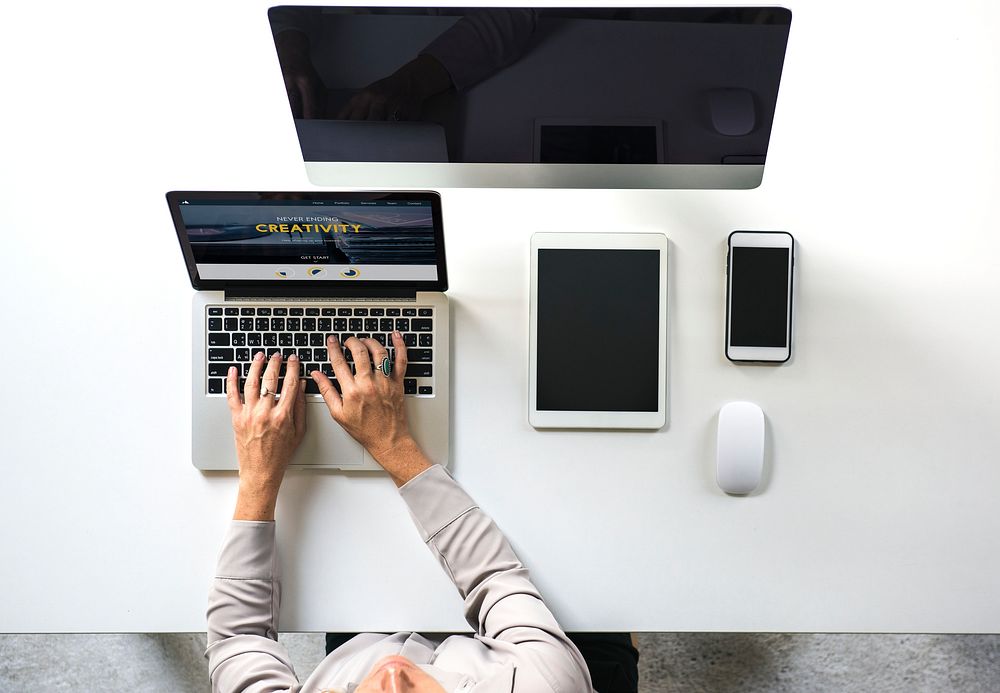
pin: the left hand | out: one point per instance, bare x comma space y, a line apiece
268, 430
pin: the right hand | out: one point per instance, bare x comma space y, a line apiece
369, 405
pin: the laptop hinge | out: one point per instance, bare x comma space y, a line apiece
309, 293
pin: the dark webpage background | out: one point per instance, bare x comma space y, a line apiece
598, 338
593, 79
393, 233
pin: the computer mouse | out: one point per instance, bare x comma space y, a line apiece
740, 447
732, 111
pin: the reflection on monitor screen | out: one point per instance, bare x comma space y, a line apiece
553, 97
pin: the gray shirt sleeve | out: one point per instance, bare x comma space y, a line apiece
501, 602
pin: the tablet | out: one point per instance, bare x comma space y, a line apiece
598, 330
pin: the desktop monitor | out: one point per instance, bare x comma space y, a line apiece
618, 97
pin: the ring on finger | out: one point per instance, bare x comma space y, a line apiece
266, 390
385, 368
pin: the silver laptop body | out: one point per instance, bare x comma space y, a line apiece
378, 287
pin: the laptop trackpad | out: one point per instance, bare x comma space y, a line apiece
326, 444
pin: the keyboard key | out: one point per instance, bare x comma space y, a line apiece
425, 390
418, 370
215, 386
316, 339
320, 354
363, 335
421, 325
409, 386
231, 324
285, 339
215, 310
343, 312
219, 370
361, 311
293, 324
410, 339
409, 312
285, 353
270, 339
239, 339
245, 369
263, 311
215, 324
418, 355
221, 355
305, 354
246, 311
295, 311
403, 324
425, 312
380, 338
392, 312
280, 311
310, 367
355, 324
324, 325
371, 324
246, 324
218, 339
329, 311
277, 324
243, 354
311, 387
377, 312
301, 339
426, 340
308, 324
312, 311
385, 325
232, 311
261, 324
340, 325
254, 339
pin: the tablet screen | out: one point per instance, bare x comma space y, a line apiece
597, 338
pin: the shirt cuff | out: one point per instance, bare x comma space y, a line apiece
435, 500
248, 553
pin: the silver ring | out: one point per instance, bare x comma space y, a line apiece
263, 390
385, 367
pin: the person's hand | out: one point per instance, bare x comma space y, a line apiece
267, 432
370, 406
401, 95
302, 83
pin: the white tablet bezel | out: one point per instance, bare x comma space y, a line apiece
599, 419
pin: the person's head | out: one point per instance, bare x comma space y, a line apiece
397, 674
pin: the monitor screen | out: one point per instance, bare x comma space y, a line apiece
602, 97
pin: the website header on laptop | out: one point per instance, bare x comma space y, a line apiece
243, 239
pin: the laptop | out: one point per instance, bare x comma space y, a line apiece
278, 271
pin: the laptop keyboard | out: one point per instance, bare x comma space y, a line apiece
235, 334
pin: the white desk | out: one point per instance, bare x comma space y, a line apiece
879, 508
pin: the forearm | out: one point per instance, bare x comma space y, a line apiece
255, 500
403, 461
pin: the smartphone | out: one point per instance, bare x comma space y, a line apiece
759, 269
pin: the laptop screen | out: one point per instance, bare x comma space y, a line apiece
252, 238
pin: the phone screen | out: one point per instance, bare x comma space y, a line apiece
597, 344
758, 308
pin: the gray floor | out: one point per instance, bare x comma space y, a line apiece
679, 663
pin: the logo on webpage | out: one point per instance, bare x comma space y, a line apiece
284, 273
316, 272
350, 273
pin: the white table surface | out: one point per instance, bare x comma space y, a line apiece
878, 512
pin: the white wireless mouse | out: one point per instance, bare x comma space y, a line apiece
740, 447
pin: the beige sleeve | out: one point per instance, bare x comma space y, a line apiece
500, 600
243, 652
